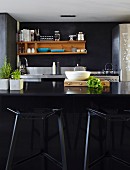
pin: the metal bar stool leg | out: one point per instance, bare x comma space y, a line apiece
77, 131
12, 144
86, 144
108, 152
45, 130
67, 131
108, 138
32, 136
62, 142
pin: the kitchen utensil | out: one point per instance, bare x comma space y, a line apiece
53, 68
57, 50
79, 68
72, 37
58, 69
43, 49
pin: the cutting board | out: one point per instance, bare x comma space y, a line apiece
83, 83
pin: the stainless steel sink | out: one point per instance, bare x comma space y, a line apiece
39, 77
46, 70
39, 70
39, 73
31, 78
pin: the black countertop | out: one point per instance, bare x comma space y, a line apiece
56, 88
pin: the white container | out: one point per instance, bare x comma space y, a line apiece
16, 84
80, 36
77, 75
33, 50
29, 50
4, 84
54, 68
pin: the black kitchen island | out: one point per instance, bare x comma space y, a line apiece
74, 100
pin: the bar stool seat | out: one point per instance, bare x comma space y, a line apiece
108, 117
42, 114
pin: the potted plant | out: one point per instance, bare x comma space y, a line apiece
5, 73
15, 82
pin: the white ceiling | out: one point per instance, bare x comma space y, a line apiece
50, 10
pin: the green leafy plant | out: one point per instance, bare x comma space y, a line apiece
5, 70
94, 82
94, 90
15, 75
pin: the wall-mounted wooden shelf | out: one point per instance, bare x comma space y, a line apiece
66, 45
51, 53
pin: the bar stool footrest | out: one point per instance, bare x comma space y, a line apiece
27, 159
56, 162
120, 160
109, 156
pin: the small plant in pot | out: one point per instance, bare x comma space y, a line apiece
15, 82
5, 73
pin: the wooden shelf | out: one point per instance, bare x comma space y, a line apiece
66, 45
51, 42
51, 53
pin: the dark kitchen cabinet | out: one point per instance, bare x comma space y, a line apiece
8, 28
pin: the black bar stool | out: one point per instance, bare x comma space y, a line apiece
119, 116
42, 114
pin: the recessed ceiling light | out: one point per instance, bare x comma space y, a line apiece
67, 16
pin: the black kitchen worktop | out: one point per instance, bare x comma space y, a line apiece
74, 101
56, 88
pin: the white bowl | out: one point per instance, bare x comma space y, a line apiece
77, 75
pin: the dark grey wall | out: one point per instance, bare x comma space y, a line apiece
97, 34
11, 40
8, 26
2, 39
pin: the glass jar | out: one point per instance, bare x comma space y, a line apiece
57, 36
80, 36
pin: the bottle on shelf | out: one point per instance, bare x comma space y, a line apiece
38, 35
35, 33
19, 49
21, 36
57, 36
53, 68
32, 35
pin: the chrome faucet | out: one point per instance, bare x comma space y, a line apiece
108, 66
26, 62
23, 67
